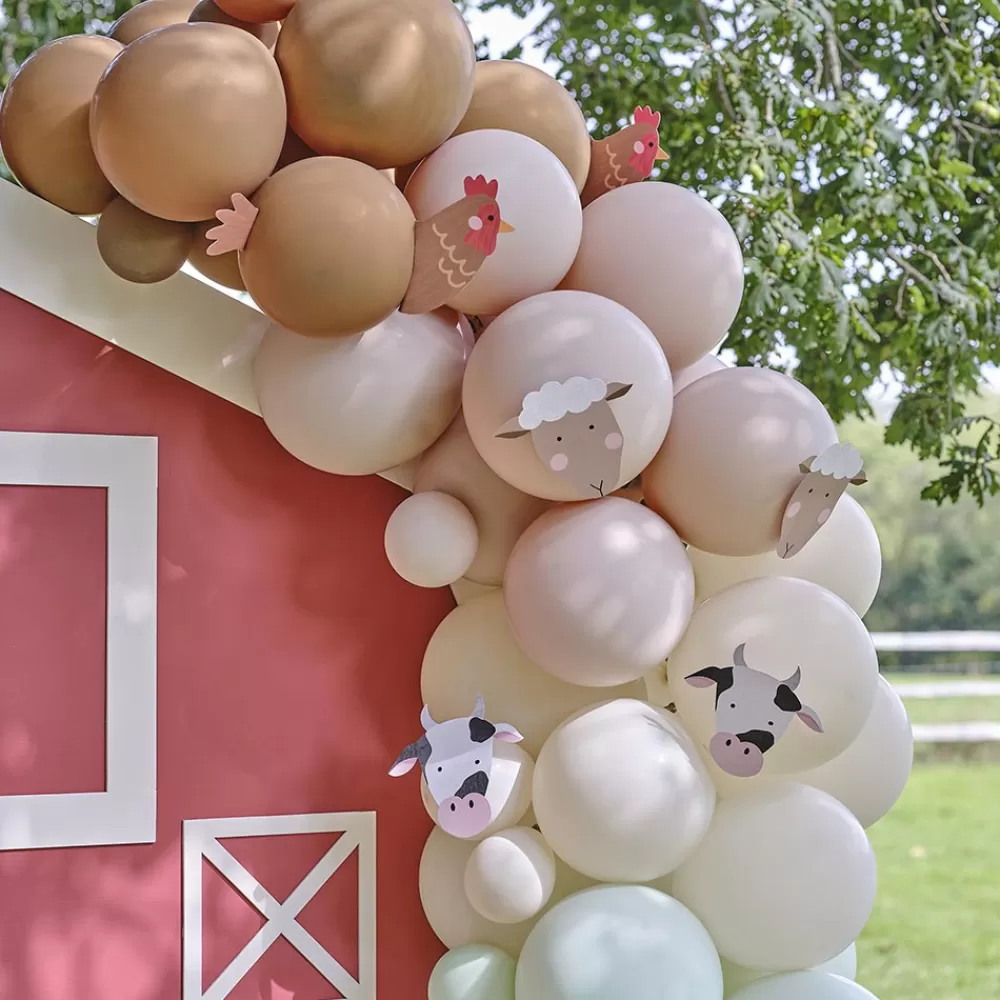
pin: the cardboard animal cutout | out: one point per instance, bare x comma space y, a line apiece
626, 157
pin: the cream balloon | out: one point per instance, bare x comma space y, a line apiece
737, 977
473, 651
537, 196
599, 593
731, 460
476, 972
844, 556
704, 366
804, 986
509, 791
773, 676
358, 405
619, 942
431, 539
784, 879
574, 339
620, 793
510, 876
870, 775
466, 590
668, 255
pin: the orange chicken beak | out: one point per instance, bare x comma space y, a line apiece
506, 227
661, 154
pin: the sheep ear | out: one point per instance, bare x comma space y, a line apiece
512, 429
617, 389
860, 479
806, 467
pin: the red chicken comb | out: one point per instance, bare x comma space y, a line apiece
480, 185
646, 116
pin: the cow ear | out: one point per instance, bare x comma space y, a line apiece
810, 718
508, 734
402, 767
512, 429
617, 389
709, 676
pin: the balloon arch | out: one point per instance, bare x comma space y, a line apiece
651, 746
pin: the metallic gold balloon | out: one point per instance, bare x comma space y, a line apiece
148, 16
382, 81
139, 247
257, 11
223, 270
188, 116
519, 98
331, 249
208, 10
44, 128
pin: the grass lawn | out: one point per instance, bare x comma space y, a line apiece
930, 710
935, 933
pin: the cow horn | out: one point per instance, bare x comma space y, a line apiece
793, 682
480, 710
738, 658
426, 720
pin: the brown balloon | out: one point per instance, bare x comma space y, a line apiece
223, 270
188, 116
148, 16
382, 81
403, 174
139, 247
517, 97
44, 123
208, 10
257, 11
331, 249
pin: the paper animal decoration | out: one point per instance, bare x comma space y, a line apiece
456, 759
827, 476
575, 432
626, 157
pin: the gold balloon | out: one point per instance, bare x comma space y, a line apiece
148, 16
382, 81
331, 250
188, 116
139, 247
517, 97
208, 10
257, 11
44, 123
223, 270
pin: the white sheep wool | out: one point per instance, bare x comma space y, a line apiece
533, 406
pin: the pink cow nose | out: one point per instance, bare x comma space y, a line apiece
742, 760
465, 817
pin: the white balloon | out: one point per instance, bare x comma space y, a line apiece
773, 676
359, 405
431, 539
804, 986
705, 366
508, 793
510, 876
620, 793
870, 775
844, 557
621, 942
738, 976
536, 196
476, 972
784, 879
845, 964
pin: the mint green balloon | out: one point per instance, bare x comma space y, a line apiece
476, 972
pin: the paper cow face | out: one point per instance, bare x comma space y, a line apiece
575, 432
456, 759
753, 711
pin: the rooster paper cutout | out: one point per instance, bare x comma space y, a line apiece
626, 157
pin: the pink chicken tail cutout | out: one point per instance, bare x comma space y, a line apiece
235, 229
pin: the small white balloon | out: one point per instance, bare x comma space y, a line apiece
870, 775
536, 196
620, 793
804, 986
510, 876
476, 972
620, 942
784, 879
431, 539
844, 557
704, 366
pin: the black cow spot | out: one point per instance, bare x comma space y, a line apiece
474, 784
786, 699
480, 730
723, 677
761, 740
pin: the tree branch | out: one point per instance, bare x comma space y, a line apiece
910, 269
720, 77
930, 255
833, 62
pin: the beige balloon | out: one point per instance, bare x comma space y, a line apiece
45, 123
473, 651
516, 97
844, 557
431, 539
149, 16
359, 405
208, 10
599, 593
510, 876
224, 269
731, 460
704, 366
139, 247
453, 466
556, 337
668, 255
382, 81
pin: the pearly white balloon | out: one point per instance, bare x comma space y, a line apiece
738, 976
431, 539
804, 986
510, 876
